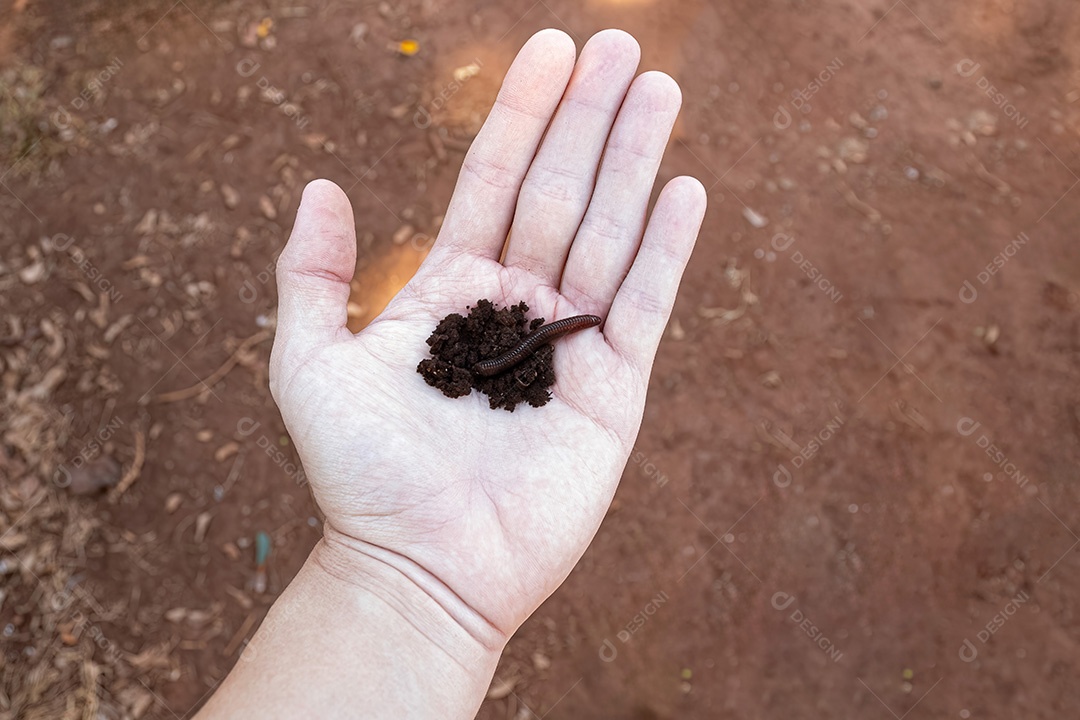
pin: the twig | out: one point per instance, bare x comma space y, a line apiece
132, 473
853, 200
909, 415
241, 634
990, 178
234, 473
217, 375
777, 437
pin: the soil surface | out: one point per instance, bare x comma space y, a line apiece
855, 489
460, 342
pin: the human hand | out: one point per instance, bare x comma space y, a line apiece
487, 511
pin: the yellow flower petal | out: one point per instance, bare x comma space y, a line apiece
408, 47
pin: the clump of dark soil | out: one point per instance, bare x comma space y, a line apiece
460, 342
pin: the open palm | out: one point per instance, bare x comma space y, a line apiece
488, 510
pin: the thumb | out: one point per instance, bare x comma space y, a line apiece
314, 271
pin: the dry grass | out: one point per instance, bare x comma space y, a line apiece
59, 661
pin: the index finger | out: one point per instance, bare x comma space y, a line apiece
484, 199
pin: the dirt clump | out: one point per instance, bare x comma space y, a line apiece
459, 342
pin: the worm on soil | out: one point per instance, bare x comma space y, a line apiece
541, 336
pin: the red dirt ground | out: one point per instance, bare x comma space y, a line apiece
855, 490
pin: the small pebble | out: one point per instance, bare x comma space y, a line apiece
754, 218
202, 523
266, 205
230, 196
173, 502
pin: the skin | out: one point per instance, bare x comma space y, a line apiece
447, 524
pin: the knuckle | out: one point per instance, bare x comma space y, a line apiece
489, 171
608, 226
557, 186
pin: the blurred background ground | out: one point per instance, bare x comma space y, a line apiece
855, 490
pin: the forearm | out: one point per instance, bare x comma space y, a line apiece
356, 638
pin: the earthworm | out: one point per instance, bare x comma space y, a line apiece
541, 336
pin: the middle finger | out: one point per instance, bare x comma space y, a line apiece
556, 191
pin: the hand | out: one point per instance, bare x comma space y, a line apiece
483, 510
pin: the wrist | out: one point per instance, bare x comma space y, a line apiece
417, 596
352, 634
